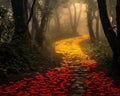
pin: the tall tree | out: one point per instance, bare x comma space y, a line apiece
74, 17
46, 7
97, 26
44, 19
117, 56
57, 20
21, 36
90, 18
112, 38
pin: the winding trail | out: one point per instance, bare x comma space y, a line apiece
84, 82
72, 52
73, 78
74, 56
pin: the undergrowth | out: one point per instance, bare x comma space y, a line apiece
100, 51
20, 60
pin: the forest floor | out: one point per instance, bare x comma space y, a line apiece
73, 78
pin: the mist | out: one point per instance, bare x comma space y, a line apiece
59, 47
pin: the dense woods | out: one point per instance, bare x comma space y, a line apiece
26, 22
39, 35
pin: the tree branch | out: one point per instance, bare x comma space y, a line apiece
31, 13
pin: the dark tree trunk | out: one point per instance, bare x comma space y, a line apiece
112, 38
21, 36
40, 34
44, 20
117, 56
25, 7
35, 25
109, 32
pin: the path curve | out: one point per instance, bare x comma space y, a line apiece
73, 55
72, 52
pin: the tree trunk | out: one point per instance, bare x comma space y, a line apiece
97, 27
20, 36
71, 19
35, 28
25, 7
57, 20
90, 23
74, 18
109, 32
90, 17
40, 34
112, 38
117, 55
44, 20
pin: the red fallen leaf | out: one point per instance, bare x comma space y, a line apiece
33, 92
58, 92
57, 89
45, 90
27, 79
1, 89
71, 67
99, 84
61, 94
100, 94
117, 94
11, 82
115, 90
54, 81
46, 94
88, 94
39, 77
88, 82
10, 90
22, 93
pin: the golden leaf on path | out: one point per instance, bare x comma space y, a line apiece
89, 63
72, 52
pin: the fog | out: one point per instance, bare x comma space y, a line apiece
65, 22
59, 47
56, 20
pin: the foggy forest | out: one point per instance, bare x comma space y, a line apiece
59, 47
